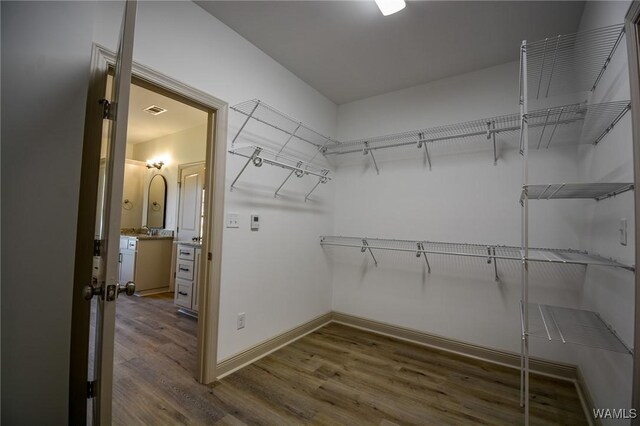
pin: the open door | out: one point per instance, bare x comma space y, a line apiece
98, 235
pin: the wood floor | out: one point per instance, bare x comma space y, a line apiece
336, 375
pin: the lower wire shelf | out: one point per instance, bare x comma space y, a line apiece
575, 326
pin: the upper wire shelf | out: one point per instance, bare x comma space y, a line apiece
259, 156
257, 110
570, 63
575, 326
567, 124
596, 191
490, 252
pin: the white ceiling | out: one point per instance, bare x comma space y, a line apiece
347, 50
143, 126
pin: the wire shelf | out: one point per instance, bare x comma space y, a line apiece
570, 63
268, 115
596, 191
299, 168
567, 124
487, 251
574, 326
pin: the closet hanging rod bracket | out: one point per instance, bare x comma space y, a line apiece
365, 247
257, 161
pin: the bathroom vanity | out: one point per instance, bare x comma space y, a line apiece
146, 260
187, 272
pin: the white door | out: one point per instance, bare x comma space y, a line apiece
92, 341
191, 203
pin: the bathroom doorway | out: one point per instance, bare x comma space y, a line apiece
146, 222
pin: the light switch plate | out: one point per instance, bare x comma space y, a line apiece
255, 222
233, 220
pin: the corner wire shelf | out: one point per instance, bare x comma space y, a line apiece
490, 252
569, 124
269, 116
575, 326
595, 191
571, 62
259, 156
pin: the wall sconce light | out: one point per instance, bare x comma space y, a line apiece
157, 164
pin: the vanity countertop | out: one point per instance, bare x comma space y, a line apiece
189, 243
148, 237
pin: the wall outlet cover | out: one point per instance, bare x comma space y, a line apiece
241, 320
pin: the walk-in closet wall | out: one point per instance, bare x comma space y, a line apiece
464, 198
609, 291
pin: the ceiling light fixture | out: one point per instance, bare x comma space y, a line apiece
389, 7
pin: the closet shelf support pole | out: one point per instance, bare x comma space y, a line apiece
321, 149
370, 152
555, 126
613, 123
253, 157
365, 247
423, 253
289, 138
491, 134
423, 142
546, 119
298, 171
323, 179
245, 123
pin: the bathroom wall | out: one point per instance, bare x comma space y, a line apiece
187, 146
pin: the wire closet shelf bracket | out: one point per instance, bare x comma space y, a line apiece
294, 131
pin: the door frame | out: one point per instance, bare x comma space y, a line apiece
632, 29
102, 59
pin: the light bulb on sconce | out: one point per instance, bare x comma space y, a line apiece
153, 163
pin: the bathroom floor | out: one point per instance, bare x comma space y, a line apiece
336, 375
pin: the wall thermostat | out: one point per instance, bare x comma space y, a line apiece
255, 222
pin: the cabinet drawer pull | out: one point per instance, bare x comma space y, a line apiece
182, 293
183, 269
186, 253
119, 257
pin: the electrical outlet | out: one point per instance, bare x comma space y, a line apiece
233, 220
241, 320
623, 231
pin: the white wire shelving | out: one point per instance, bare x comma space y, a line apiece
294, 130
577, 123
298, 168
595, 191
575, 326
572, 63
490, 252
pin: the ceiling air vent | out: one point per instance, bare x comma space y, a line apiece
155, 110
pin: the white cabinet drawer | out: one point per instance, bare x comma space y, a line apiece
183, 293
184, 269
186, 252
132, 244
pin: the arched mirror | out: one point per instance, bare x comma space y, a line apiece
157, 202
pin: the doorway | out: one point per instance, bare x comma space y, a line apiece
157, 215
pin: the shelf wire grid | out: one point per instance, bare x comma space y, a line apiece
281, 160
568, 124
270, 116
543, 255
570, 63
596, 191
575, 326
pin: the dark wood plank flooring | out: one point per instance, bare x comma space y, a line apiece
336, 375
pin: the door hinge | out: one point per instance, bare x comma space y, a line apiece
108, 109
97, 247
92, 388
209, 256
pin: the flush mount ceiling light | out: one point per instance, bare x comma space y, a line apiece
154, 110
389, 7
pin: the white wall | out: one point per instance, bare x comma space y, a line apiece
464, 198
187, 146
609, 291
44, 80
